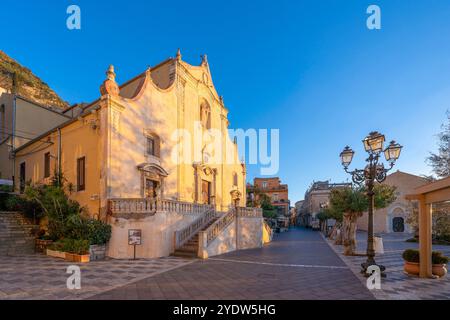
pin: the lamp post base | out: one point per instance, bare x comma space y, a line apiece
366, 265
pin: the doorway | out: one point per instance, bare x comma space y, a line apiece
398, 224
151, 188
206, 192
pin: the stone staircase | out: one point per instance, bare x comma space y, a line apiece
16, 234
190, 248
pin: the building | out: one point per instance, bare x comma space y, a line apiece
272, 187
145, 147
394, 217
316, 199
22, 120
298, 209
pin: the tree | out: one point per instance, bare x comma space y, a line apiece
440, 161
348, 204
263, 201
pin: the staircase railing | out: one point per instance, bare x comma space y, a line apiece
249, 212
183, 235
217, 227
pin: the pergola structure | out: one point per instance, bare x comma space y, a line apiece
427, 196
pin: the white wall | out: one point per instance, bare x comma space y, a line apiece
157, 235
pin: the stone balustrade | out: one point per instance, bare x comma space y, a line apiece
135, 207
183, 235
249, 212
216, 228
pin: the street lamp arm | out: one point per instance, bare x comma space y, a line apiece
357, 175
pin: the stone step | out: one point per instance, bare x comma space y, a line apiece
16, 234
184, 254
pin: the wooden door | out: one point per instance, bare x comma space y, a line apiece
150, 188
206, 192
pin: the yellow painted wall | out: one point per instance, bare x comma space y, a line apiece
78, 140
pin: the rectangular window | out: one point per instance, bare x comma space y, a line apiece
151, 146
264, 184
81, 174
3, 133
47, 165
22, 177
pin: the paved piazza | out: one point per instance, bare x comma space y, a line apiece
397, 285
41, 277
299, 264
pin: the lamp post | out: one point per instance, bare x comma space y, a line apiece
372, 173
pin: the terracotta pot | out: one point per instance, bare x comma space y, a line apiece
412, 268
41, 245
72, 257
439, 270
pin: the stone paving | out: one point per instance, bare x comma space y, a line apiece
398, 285
298, 264
37, 276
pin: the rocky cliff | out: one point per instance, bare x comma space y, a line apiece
28, 85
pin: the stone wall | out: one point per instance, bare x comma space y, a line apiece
250, 232
157, 235
242, 233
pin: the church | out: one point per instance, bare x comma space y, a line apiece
124, 160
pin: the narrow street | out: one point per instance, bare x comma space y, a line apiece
298, 264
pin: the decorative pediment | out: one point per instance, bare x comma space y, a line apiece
153, 168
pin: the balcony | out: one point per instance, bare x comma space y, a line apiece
142, 207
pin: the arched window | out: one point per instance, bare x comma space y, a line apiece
205, 115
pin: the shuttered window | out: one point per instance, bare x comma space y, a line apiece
81, 174
47, 165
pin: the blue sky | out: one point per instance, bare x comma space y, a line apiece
309, 68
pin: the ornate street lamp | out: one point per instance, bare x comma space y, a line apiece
373, 172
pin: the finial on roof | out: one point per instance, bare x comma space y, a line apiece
110, 86
178, 54
204, 59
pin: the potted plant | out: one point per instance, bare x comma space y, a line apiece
99, 235
42, 241
412, 262
76, 250
439, 264
412, 259
56, 250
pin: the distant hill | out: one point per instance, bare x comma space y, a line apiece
29, 85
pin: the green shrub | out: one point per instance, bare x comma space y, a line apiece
438, 258
71, 246
6, 188
411, 255
270, 214
97, 232
56, 205
30, 208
